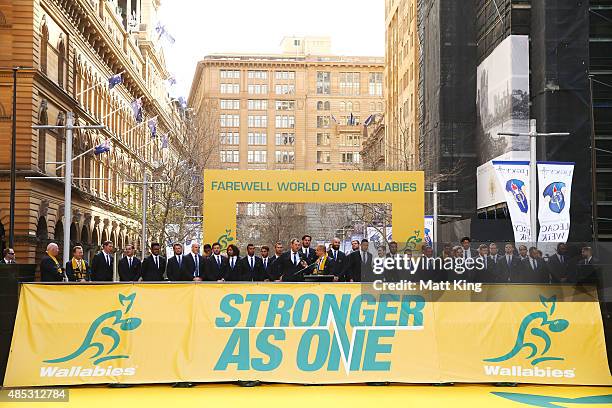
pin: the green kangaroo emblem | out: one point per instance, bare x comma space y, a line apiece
115, 319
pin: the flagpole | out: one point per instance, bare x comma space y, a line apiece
116, 110
96, 84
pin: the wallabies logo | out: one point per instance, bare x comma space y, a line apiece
533, 331
104, 332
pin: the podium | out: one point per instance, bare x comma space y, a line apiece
319, 278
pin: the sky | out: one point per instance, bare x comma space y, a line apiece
202, 27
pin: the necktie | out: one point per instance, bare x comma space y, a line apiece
156, 262
335, 255
108, 259
196, 262
265, 262
561, 258
178, 260
251, 262
130, 262
295, 259
508, 259
533, 264
233, 262
485, 262
363, 257
218, 261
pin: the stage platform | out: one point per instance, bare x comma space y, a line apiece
272, 395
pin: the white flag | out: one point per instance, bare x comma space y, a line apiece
555, 192
513, 176
429, 231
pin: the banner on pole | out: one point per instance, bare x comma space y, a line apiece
555, 192
513, 177
429, 231
300, 333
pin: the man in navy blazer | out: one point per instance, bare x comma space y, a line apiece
217, 266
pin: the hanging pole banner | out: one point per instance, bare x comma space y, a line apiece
300, 333
555, 190
429, 230
513, 177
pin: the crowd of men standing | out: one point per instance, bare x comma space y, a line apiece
301, 260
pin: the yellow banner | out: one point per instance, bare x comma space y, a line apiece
297, 333
404, 190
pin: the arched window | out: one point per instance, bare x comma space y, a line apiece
42, 136
342, 106
349, 106
61, 61
320, 105
357, 107
59, 141
44, 45
326, 105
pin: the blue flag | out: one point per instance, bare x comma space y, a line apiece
137, 110
152, 124
161, 31
114, 81
103, 147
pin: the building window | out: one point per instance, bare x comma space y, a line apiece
323, 121
376, 84
258, 104
349, 157
258, 121
258, 74
257, 138
230, 88
229, 138
350, 120
285, 121
285, 105
323, 105
230, 104
323, 139
349, 83
257, 156
256, 209
285, 89
280, 75
323, 157
44, 46
61, 62
230, 120
230, 156
257, 89
350, 139
285, 157
323, 83
230, 74
283, 139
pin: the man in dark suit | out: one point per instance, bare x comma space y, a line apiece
250, 267
154, 266
484, 270
534, 268
129, 266
233, 258
50, 268
323, 264
174, 264
77, 269
366, 263
559, 266
8, 256
339, 258
468, 252
353, 263
509, 266
292, 264
217, 266
275, 270
102, 264
587, 271
193, 265
307, 252
266, 262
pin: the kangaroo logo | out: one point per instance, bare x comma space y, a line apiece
100, 327
225, 239
524, 341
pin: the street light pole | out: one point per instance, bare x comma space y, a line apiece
533, 169
69, 127
435, 193
13, 163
